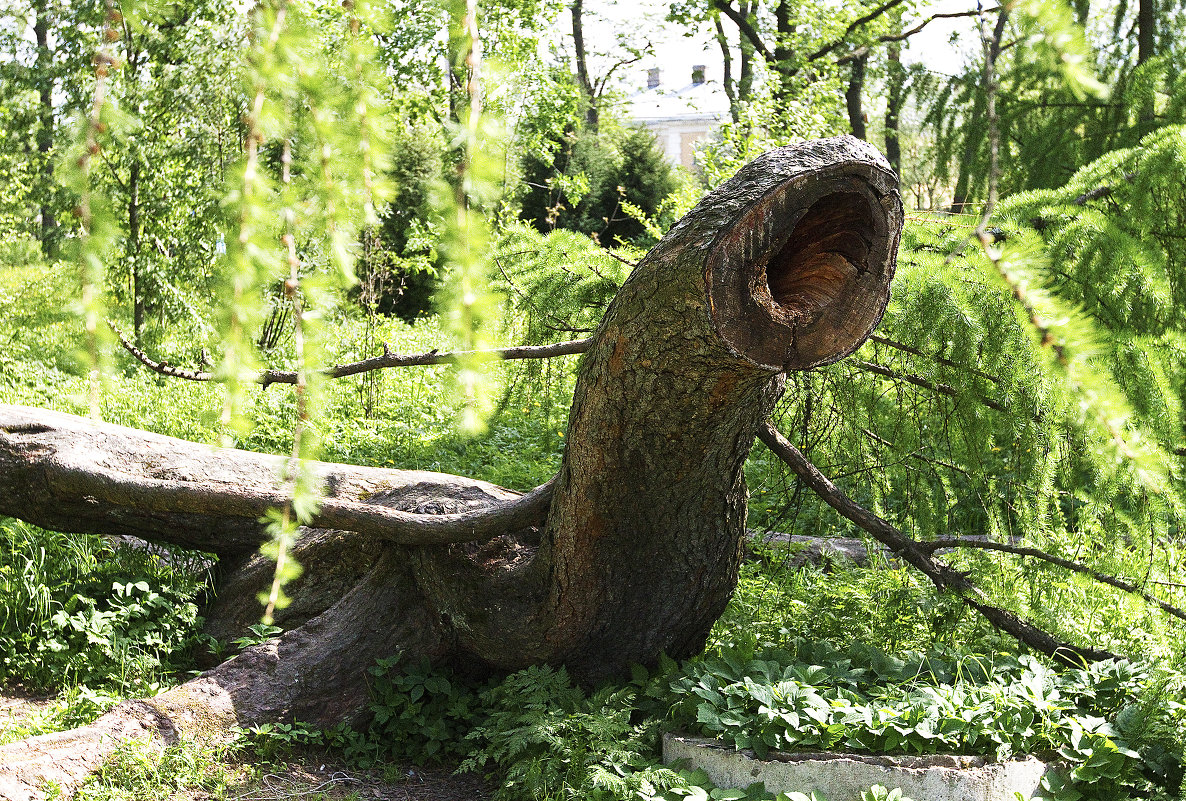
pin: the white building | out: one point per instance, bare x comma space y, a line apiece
680, 118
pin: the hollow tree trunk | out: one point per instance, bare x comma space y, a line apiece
631, 551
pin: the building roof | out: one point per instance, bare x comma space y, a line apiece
696, 101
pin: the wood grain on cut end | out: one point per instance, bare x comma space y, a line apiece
824, 254
802, 277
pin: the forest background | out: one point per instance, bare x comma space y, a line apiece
306, 184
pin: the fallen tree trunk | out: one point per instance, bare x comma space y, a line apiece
633, 550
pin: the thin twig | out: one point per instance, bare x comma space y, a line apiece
919, 381
890, 343
1077, 567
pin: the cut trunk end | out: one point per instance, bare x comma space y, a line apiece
802, 277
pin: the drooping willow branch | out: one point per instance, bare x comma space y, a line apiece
916, 554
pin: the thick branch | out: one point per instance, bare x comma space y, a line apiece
1077, 567
150, 495
916, 555
71, 474
747, 30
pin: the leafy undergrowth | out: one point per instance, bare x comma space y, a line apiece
1110, 726
81, 612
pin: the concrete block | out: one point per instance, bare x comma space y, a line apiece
842, 777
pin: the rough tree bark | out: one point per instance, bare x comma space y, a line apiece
632, 550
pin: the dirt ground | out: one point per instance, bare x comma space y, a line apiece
313, 778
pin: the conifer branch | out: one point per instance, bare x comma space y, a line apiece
889, 343
1077, 567
923, 383
943, 576
922, 457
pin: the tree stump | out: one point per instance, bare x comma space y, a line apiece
631, 551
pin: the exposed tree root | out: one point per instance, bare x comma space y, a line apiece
315, 673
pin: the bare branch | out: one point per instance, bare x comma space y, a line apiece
904, 35
164, 368
858, 22
919, 381
385, 360
922, 457
916, 555
1077, 567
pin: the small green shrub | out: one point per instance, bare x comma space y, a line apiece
550, 740
79, 610
421, 714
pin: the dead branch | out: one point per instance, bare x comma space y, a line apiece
385, 360
943, 576
904, 35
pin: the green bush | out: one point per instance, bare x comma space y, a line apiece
80, 611
582, 183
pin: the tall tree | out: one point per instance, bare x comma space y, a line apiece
581, 58
45, 122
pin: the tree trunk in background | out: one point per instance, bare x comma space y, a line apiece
582, 65
852, 97
786, 266
784, 52
1146, 49
45, 127
727, 73
739, 90
973, 137
893, 107
745, 76
134, 250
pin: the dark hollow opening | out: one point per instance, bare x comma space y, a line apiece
828, 247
